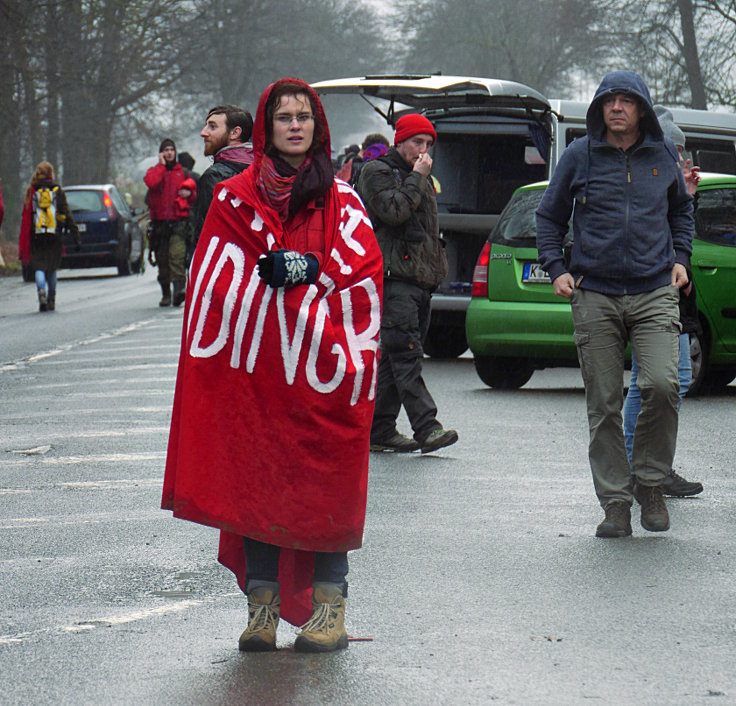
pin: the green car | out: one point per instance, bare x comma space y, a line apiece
515, 324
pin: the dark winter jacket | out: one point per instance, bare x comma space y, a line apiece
229, 161
633, 215
43, 251
163, 189
402, 205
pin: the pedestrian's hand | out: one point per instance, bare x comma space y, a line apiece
287, 268
184, 193
679, 276
564, 285
161, 159
423, 165
151, 258
692, 177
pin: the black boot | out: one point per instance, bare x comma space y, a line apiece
52, 302
166, 291
179, 293
42, 301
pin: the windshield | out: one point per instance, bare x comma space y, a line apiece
84, 201
715, 216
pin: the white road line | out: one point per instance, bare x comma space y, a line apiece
80, 434
107, 382
42, 414
15, 365
110, 621
78, 460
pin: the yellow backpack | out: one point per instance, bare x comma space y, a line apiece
44, 209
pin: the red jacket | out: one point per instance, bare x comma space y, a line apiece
163, 199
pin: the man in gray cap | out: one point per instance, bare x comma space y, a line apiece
674, 484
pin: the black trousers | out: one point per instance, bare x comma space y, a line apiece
404, 326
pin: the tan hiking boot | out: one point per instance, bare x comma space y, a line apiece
264, 610
325, 630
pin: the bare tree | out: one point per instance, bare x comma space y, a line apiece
539, 44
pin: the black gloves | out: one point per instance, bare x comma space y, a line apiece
286, 268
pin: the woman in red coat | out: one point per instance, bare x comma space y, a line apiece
277, 374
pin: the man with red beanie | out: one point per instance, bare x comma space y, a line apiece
399, 197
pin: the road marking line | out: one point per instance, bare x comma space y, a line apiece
83, 626
17, 364
92, 458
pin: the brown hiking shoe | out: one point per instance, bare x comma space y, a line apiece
398, 443
617, 522
325, 630
264, 610
654, 515
673, 484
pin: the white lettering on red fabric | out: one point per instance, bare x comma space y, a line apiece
236, 256
314, 382
290, 350
256, 295
211, 247
366, 339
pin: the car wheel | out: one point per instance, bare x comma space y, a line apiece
503, 373
716, 380
137, 266
697, 363
445, 342
28, 274
124, 261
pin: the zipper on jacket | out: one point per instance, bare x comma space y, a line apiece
626, 230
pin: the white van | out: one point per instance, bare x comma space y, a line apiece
492, 137
710, 137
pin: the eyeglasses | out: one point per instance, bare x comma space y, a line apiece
285, 119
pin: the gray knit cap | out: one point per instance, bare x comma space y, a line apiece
667, 123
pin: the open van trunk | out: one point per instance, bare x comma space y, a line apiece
492, 137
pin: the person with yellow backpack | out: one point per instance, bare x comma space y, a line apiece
45, 215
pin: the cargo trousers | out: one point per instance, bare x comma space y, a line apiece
650, 321
404, 326
171, 249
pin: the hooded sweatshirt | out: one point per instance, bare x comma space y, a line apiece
633, 215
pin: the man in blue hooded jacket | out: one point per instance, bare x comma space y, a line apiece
632, 227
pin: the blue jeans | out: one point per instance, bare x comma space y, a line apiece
262, 564
632, 406
44, 276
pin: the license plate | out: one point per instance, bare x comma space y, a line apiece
534, 274
82, 227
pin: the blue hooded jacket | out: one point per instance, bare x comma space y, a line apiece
633, 215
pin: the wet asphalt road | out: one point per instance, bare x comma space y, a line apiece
480, 580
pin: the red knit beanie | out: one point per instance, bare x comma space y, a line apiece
413, 124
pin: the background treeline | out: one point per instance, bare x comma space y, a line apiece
91, 85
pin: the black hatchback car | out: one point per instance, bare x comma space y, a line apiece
108, 230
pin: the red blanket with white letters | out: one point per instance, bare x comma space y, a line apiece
275, 388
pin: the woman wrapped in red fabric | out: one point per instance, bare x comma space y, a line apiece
276, 384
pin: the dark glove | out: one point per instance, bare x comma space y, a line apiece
286, 268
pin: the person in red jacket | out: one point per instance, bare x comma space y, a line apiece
279, 356
170, 196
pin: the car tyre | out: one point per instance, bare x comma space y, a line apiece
124, 268
716, 380
445, 342
503, 373
697, 363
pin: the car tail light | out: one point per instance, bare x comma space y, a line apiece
108, 204
480, 272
